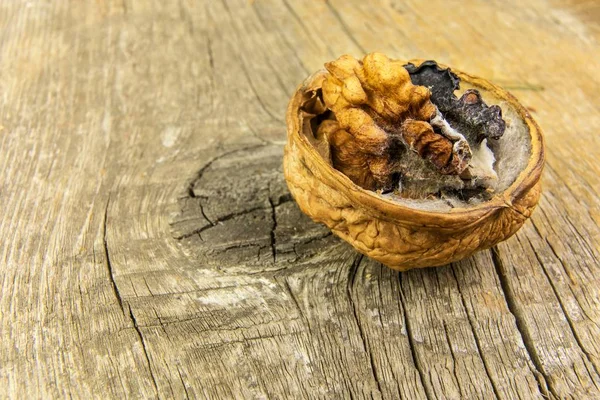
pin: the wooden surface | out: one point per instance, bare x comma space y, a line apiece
150, 248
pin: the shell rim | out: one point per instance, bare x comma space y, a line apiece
392, 210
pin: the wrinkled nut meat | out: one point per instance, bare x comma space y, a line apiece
395, 162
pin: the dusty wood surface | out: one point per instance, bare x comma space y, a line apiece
150, 248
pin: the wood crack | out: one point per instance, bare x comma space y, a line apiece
111, 275
242, 64
350, 284
200, 173
273, 203
564, 311
475, 335
255, 92
345, 27
411, 342
190, 193
299, 21
257, 136
293, 50
296, 303
119, 297
245, 340
564, 267
237, 246
187, 395
144, 349
528, 342
204, 214
314, 239
273, 228
449, 343
218, 221
211, 58
227, 217
285, 198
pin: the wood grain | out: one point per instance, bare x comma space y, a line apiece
151, 249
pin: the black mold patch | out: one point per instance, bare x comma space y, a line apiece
469, 115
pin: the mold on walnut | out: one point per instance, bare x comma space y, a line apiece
411, 175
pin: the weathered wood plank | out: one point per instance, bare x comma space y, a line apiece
151, 248
495, 331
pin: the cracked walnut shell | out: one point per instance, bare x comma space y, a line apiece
400, 233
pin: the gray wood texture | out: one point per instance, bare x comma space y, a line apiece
150, 248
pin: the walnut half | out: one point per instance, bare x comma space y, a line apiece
372, 157
377, 114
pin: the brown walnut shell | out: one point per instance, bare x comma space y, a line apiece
393, 233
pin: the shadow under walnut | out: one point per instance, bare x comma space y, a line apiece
407, 234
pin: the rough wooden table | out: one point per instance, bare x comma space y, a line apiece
150, 248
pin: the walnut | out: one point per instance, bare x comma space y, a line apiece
380, 115
361, 126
